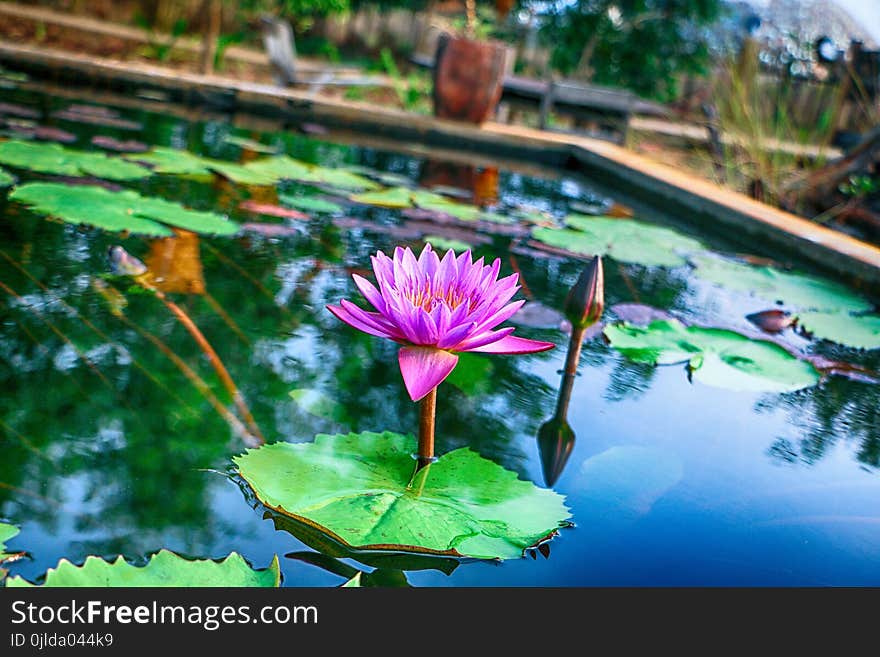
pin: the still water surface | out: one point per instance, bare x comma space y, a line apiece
669, 482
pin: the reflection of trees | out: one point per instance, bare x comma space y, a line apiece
824, 414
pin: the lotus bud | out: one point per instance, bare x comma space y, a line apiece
586, 300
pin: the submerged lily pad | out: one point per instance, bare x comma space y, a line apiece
56, 159
360, 489
860, 332
118, 210
164, 569
314, 402
716, 357
625, 240
794, 291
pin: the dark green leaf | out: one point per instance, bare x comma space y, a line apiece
58, 160
117, 210
360, 489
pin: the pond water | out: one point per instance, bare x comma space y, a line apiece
109, 448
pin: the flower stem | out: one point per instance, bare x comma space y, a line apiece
427, 413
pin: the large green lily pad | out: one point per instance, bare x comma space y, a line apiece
625, 240
393, 197
118, 210
314, 402
404, 197
180, 162
443, 244
860, 332
310, 204
282, 167
55, 159
792, 290
164, 569
716, 357
360, 489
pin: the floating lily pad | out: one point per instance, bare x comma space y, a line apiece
239, 173
6, 178
282, 167
42, 132
360, 489
860, 332
119, 146
794, 291
393, 197
447, 244
181, 162
173, 160
458, 210
249, 144
164, 569
314, 402
310, 204
14, 109
96, 115
717, 357
55, 159
496, 218
118, 210
625, 240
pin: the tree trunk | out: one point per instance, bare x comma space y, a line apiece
212, 10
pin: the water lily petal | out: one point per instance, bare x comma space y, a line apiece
513, 345
370, 292
483, 338
354, 322
424, 368
502, 315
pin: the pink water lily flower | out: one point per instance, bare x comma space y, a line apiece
437, 308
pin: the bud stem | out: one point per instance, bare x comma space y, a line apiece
572, 358
427, 414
